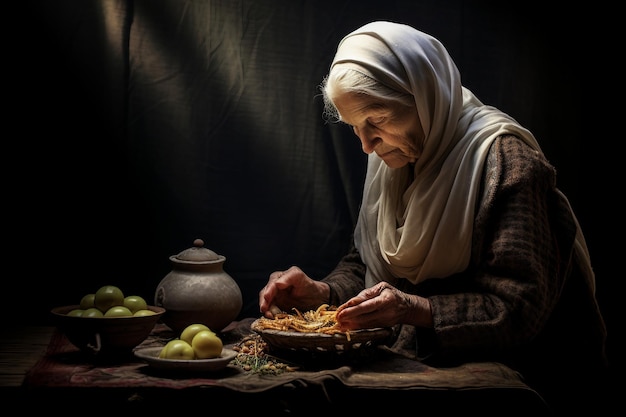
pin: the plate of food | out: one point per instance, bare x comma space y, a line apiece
151, 357
315, 330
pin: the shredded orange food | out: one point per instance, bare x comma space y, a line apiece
321, 320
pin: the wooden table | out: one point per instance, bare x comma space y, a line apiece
20, 349
46, 369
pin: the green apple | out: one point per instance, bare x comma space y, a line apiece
163, 352
190, 331
108, 296
143, 313
87, 301
135, 303
92, 312
77, 312
177, 349
118, 311
206, 345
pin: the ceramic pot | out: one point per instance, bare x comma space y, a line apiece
198, 290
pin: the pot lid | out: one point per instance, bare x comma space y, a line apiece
197, 254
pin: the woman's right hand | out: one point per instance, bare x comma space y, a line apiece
292, 289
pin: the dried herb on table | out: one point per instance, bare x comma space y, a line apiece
252, 357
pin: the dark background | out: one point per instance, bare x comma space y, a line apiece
138, 126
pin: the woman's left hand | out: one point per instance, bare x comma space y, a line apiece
383, 305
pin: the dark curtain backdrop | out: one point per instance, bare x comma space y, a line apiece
142, 125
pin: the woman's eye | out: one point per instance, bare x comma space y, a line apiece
376, 120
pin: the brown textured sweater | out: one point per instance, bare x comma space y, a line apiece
522, 300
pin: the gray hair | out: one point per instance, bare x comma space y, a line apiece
343, 80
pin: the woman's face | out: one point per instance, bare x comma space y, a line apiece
389, 128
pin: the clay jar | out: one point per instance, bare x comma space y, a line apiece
198, 290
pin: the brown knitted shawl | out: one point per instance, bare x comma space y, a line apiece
523, 300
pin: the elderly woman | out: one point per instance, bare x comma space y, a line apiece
463, 243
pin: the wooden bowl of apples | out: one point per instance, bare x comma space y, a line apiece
105, 336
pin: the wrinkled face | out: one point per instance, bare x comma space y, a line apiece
389, 128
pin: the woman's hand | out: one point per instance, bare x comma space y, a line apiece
383, 306
292, 288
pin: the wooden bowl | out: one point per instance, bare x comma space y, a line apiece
105, 335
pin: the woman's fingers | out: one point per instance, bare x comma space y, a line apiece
279, 284
274, 309
367, 309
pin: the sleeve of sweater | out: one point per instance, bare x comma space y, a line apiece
347, 279
522, 244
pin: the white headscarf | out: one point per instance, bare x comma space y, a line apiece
424, 230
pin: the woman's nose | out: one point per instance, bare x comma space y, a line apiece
368, 139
